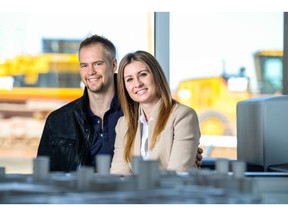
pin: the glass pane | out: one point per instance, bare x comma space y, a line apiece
218, 59
273, 74
39, 69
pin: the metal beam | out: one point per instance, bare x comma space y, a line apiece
162, 40
285, 55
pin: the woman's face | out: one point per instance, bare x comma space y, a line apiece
139, 83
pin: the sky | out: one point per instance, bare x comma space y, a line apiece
22, 32
208, 43
201, 41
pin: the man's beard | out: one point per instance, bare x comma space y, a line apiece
97, 89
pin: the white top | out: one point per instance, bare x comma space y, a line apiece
144, 136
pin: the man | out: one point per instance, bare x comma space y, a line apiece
75, 133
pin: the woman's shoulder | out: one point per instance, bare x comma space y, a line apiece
122, 121
182, 108
185, 114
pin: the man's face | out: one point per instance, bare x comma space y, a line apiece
96, 70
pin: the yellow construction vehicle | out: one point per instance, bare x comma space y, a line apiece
36, 85
31, 86
215, 98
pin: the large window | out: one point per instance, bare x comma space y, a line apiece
38, 51
218, 59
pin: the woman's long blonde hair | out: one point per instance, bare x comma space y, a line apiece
130, 108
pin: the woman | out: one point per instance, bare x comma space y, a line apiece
154, 125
